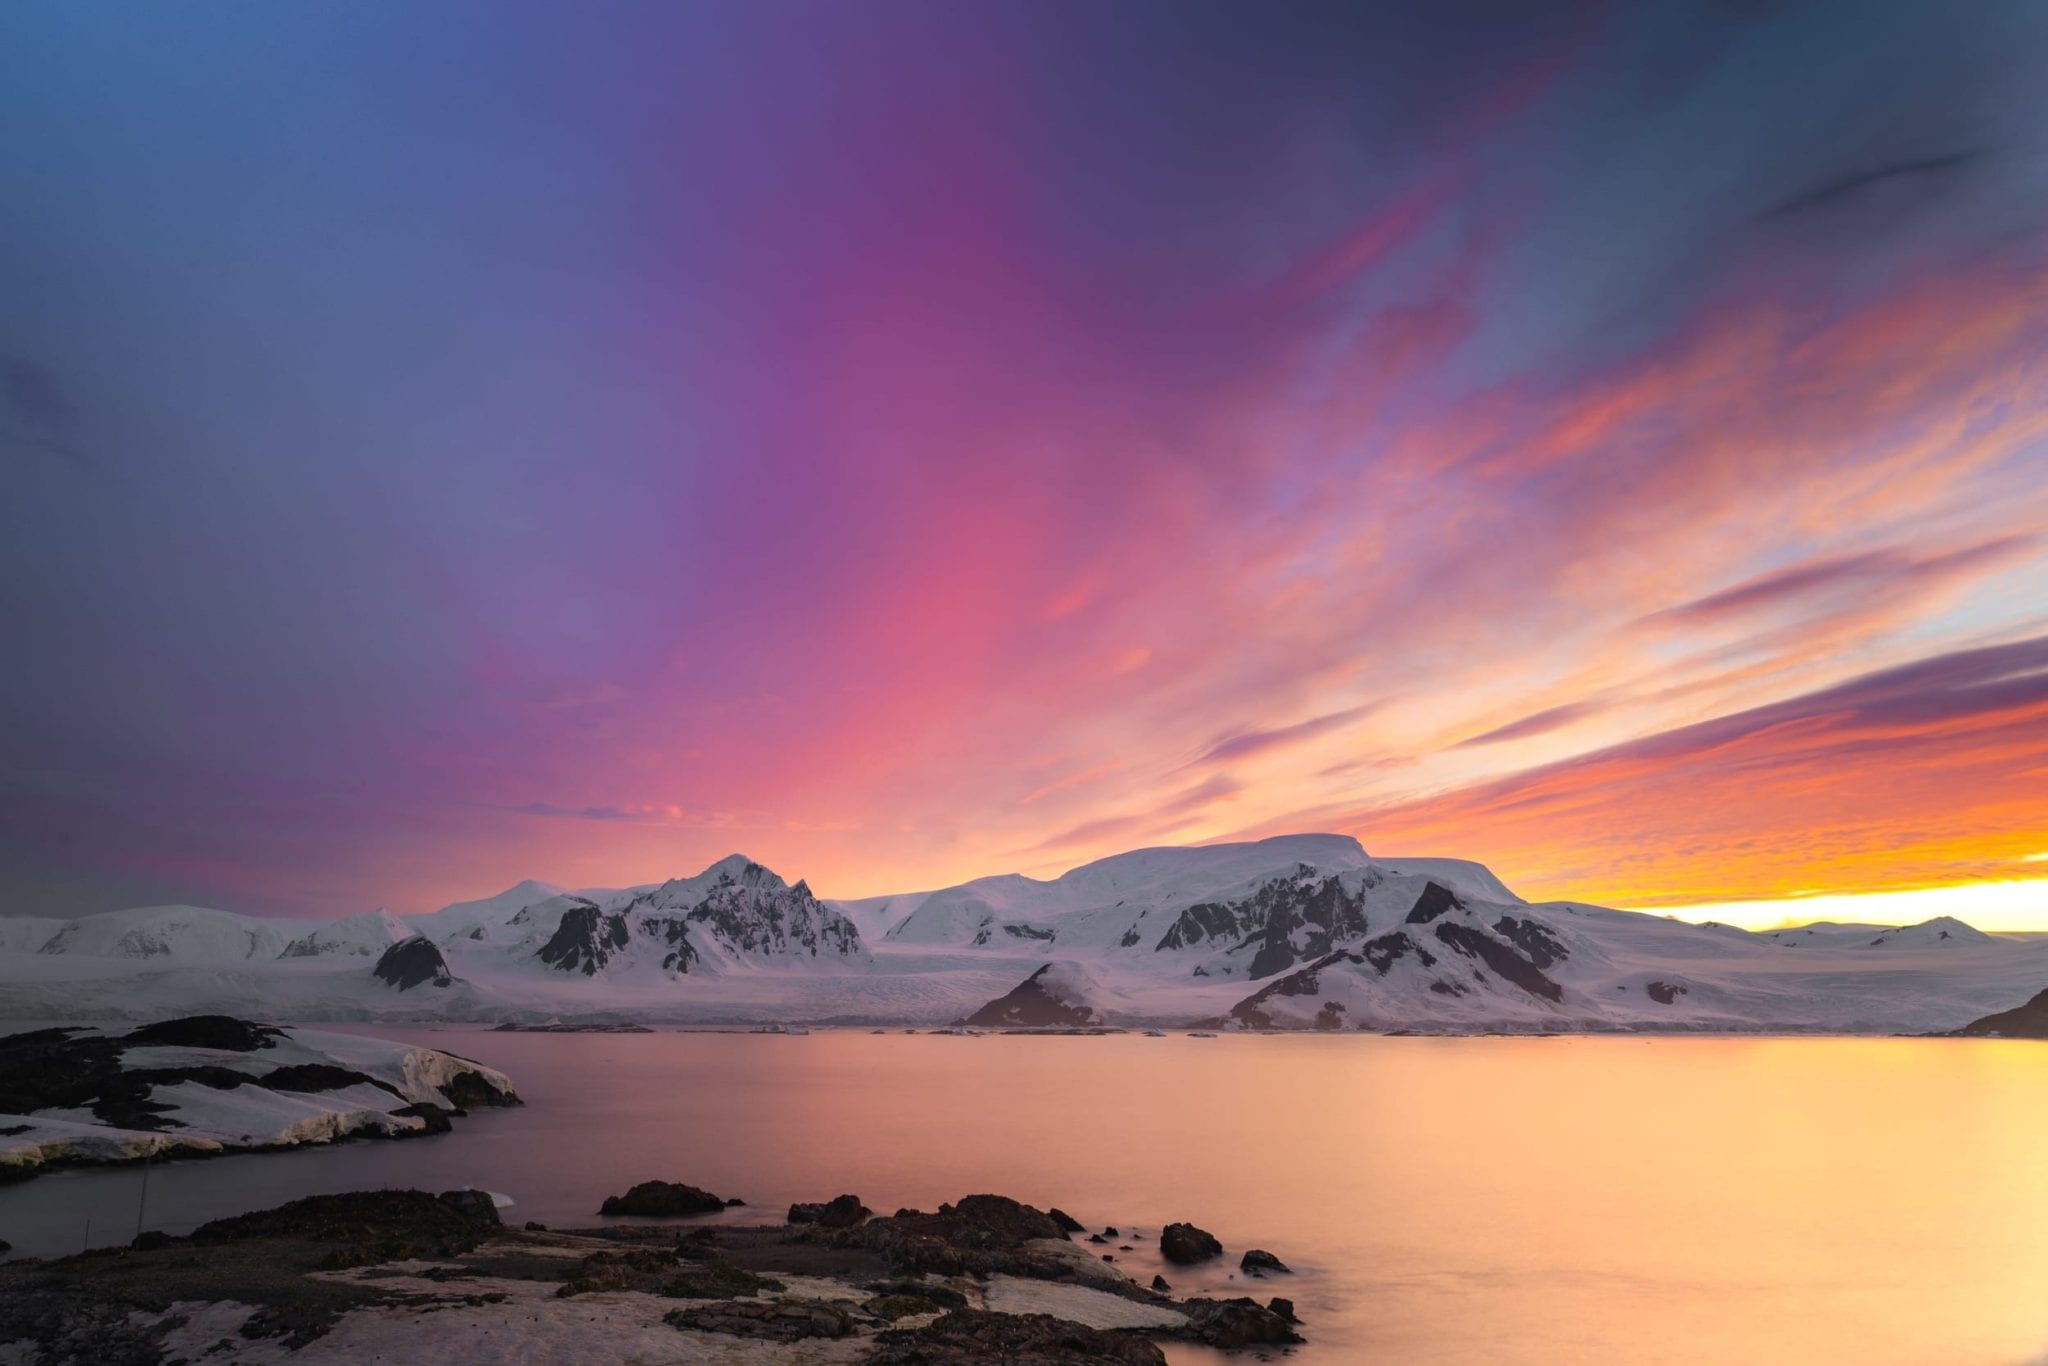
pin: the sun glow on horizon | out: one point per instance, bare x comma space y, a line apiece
2008, 906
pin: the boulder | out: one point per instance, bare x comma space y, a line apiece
1258, 1262
1159, 1284
1283, 1307
841, 1211
1184, 1244
1067, 1222
472, 1204
1240, 1322
662, 1200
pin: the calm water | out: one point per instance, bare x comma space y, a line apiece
1446, 1200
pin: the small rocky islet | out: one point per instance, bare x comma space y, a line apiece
415, 1275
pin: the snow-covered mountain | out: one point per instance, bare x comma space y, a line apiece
363, 935
177, 934
1303, 931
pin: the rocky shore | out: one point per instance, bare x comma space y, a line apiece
413, 1276
205, 1085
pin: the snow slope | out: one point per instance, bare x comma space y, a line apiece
1304, 931
303, 1087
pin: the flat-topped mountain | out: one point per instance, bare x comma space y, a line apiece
1296, 932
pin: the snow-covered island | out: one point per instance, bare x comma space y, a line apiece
1295, 932
205, 1085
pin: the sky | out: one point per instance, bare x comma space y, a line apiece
448, 444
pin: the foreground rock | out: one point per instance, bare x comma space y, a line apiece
1242, 1323
209, 1084
776, 1321
841, 1211
662, 1200
410, 1276
968, 1335
1184, 1244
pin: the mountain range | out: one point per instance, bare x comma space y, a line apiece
1295, 932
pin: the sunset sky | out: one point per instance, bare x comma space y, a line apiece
452, 443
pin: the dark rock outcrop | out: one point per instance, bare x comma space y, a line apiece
474, 1205
1436, 900
1034, 1004
1664, 993
2029, 1021
977, 1336
1307, 982
786, 1320
663, 1200
980, 1235
1535, 940
224, 1032
1067, 1222
1184, 1244
585, 939
413, 962
1290, 919
1239, 1322
841, 1211
370, 1225
1257, 1261
1500, 957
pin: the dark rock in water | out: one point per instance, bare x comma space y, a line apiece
1664, 993
1110, 1232
977, 1336
663, 1200
2029, 1021
775, 1321
1109, 1256
1159, 1284
473, 1204
980, 1235
413, 962
471, 1089
535, 1226
1258, 1261
1240, 1322
1097, 1238
1184, 1244
1283, 1307
1032, 1004
842, 1211
734, 1202
1067, 1222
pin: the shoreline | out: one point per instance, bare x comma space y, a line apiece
343, 1277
